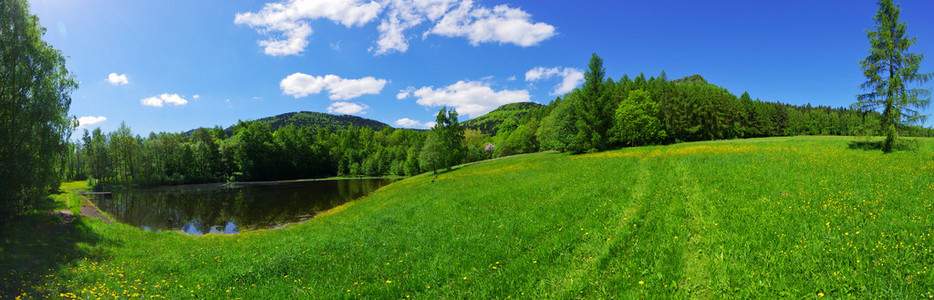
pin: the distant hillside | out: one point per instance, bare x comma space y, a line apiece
310, 119
489, 122
690, 79
315, 119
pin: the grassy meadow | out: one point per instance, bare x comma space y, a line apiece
800, 217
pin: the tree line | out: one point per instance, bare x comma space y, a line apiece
606, 114
603, 114
254, 152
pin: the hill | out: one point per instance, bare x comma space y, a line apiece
798, 217
489, 122
690, 79
314, 119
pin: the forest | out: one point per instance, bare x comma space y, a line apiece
604, 114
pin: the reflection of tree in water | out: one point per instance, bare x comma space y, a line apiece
223, 208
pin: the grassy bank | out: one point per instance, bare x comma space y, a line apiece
778, 217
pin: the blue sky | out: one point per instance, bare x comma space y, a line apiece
215, 62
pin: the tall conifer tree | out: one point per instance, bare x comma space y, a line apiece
594, 113
890, 70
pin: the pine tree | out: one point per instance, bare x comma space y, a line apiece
890, 70
594, 113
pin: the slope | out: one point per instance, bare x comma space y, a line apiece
489, 123
799, 217
315, 120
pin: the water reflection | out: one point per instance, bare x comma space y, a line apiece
226, 209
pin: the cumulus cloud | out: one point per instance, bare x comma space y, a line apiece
159, 101
501, 24
301, 85
570, 78
473, 98
196, 97
90, 120
409, 123
115, 79
348, 108
288, 22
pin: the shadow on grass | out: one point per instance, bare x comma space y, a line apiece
38, 244
900, 145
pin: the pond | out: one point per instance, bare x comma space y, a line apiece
229, 208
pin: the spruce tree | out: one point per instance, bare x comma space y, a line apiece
594, 113
890, 70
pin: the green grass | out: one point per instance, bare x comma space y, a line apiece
798, 217
65, 200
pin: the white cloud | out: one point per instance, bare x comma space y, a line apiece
409, 123
196, 97
405, 93
347, 108
287, 22
289, 18
473, 98
502, 24
158, 101
570, 78
300, 85
511, 78
90, 120
115, 79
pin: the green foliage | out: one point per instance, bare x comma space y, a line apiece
253, 152
594, 111
890, 70
490, 122
691, 79
34, 102
316, 120
445, 145
636, 121
558, 128
520, 140
432, 154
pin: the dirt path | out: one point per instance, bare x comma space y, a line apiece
87, 210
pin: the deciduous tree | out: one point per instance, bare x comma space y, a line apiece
34, 101
636, 120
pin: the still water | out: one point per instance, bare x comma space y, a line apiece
228, 208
